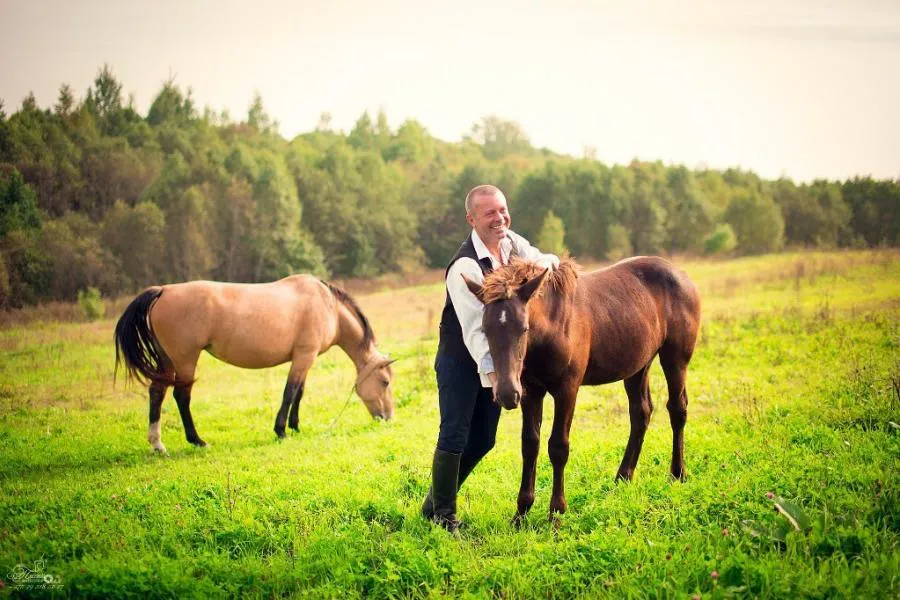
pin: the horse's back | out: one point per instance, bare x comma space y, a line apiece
634, 307
246, 324
656, 275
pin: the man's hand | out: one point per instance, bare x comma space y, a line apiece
493, 377
548, 261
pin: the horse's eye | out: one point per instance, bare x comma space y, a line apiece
385, 383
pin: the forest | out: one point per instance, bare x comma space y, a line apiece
94, 194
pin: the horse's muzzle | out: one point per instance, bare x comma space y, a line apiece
509, 399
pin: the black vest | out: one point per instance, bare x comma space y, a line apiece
451, 343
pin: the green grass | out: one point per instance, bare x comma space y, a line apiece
792, 394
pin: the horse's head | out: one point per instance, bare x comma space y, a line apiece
373, 385
505, 324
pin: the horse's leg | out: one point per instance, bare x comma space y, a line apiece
294, 417
532, 414
676, 374
293, 391
185, 373
640, 407
154, 432
558, 447
157, 395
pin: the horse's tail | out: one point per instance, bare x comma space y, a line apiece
136, 345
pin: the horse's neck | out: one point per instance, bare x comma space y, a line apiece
548, 316
350, 336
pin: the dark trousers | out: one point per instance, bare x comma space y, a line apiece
469, 417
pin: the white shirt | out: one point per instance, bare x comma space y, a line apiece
469, 309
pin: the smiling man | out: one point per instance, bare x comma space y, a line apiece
465, 370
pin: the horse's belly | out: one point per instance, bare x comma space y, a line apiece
250, 354
600, 377
607, 365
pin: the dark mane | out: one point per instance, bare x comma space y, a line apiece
502, 282
349, 302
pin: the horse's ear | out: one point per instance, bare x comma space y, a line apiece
529, 288
474, 287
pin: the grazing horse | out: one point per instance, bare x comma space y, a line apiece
160, 336
554, 332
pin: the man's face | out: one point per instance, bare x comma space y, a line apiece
489, 217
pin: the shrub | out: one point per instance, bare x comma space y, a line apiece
720, 241
91, 303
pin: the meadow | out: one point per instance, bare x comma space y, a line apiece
792, 449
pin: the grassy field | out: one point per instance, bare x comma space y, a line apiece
792, 449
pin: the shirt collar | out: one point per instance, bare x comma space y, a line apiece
481, 250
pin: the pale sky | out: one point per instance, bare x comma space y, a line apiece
801, 88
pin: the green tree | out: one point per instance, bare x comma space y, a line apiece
591, 209
552, 235
689, 218
171, 106
234, 213
77, 258
645, 215
363, 135
18, 204
65, 102
188, 231
442, 225
814, 215
720, 241
105, 100
29, 271
500, 137
875, 210
258, 119
540, 192
136, 237
619, 243
411, 144
111, 171
431, 197
276, 218
756, 221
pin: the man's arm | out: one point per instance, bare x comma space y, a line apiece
469, 311
529, 252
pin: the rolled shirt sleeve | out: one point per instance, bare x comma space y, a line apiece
470, 311
525, 250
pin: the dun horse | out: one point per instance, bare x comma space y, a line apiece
160, 335
554, 332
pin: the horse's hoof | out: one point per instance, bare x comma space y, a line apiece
199, 443
518, 521
281, 435
557, 509
161, 450
296, 428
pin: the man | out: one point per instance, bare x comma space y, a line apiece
465, 370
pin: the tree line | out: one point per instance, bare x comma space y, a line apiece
94, 194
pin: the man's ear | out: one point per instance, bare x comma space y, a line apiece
527, 291
475, 288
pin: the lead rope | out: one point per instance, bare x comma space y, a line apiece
349, 397
346, 404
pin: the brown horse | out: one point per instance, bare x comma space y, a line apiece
554, 332
162, 332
